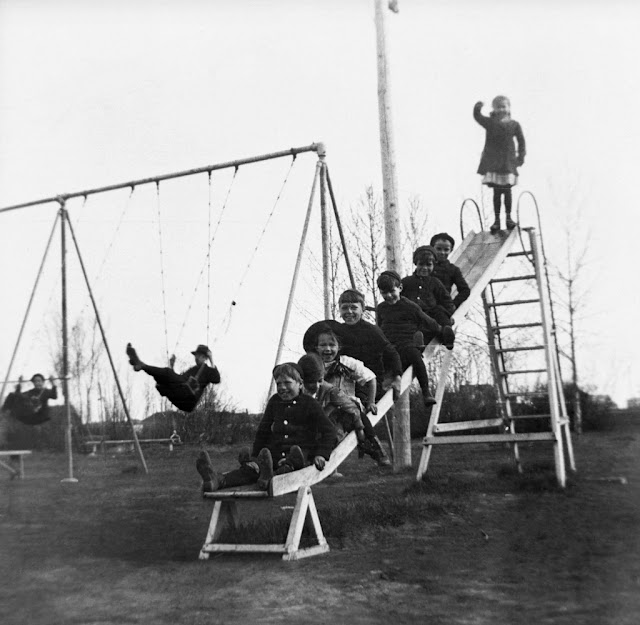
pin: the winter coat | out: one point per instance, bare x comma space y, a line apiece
499, 153
449, 274
301, 422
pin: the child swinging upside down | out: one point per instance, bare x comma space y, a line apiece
183, 390
500, 161
293, 433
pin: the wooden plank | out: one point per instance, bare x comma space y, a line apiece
230, 547
489, 438
456, 426
306, 553
237, 493
15, 452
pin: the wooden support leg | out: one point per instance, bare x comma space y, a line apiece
304, 503
435, 413
9, 468
224, 512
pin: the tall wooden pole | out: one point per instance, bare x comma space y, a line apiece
324, 227
401, 422
65, 340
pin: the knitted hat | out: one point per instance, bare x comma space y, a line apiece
388, 278
293, 365
421, 250
312, 367
442, 236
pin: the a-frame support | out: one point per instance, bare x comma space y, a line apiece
225, 514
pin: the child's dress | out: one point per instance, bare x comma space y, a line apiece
500, 161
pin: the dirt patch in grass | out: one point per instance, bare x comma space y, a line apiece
474, 543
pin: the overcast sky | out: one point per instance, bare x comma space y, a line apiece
95, 93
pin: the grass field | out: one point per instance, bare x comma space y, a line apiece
474, 543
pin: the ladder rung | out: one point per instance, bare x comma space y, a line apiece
456, 426
519, 349
516, 325
512, 302
490, 438
529, 416
527, 394
512, 279
518, 371
527, 253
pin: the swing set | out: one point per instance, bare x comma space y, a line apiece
188, 387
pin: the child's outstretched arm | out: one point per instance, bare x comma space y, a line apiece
478, 116
370, 388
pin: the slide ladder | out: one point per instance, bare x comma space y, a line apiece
510, 342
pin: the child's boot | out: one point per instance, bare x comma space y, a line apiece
295, 458
496, 211
428, 398
509, 222
377, 452
447, 337
211, 481
265, 463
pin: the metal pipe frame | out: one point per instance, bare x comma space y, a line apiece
63, 197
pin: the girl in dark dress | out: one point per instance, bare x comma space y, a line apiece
500, 159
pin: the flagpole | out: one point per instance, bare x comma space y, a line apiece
402, 420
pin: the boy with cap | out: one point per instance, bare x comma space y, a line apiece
399, 319
342, 410
293, 433
361, 340
183, 390
425, 290
445, 270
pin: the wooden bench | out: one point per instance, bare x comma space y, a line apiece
15, 455
130, 444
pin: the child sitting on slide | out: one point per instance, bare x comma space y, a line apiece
448, 273
399, 319
427, 291
358, 382
343, 411
293, 433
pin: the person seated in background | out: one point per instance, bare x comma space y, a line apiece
427, 291
400, 319
448, 273
183, 390
294, 432
31, 407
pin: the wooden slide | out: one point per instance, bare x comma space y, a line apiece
479, 256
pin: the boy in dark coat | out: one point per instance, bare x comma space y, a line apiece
293, 432
426, 290
448, 273
399, 319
